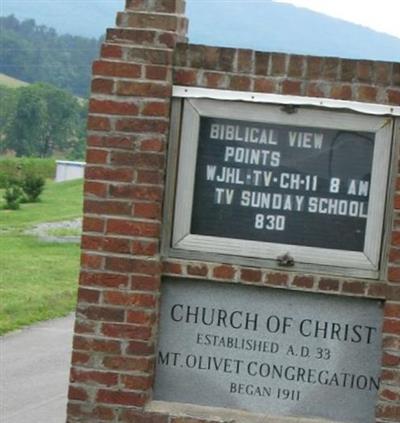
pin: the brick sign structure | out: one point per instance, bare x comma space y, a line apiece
241, 235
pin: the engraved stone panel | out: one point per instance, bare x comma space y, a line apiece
269, 351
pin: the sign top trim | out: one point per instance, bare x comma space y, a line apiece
366, 108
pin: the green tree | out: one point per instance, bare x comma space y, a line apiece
62, 122
77, 149
8, 98
46, 119
24, 130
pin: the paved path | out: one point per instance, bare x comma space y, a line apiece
34, 369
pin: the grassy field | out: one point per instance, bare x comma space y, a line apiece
60, 201
10, 82
38, 280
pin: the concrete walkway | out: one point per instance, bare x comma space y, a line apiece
34, 371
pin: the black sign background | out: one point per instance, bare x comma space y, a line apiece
344, 154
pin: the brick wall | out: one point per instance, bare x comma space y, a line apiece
247, 70
121, 268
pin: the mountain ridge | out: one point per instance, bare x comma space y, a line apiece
266, 26
354, 42
34, 53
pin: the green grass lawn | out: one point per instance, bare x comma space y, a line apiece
59, 201
38, 280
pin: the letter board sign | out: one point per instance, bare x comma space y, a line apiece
286, 184
254, 180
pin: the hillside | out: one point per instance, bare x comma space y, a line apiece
32, 53
258, 25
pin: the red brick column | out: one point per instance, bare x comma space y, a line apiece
113, 349
113, 354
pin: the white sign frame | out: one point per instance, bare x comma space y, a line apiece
364, 263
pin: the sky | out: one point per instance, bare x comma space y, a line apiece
382, 15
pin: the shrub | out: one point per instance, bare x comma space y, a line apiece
32, 186
12, 169
13, 196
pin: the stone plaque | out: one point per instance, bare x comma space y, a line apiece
269, 351
282, 184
